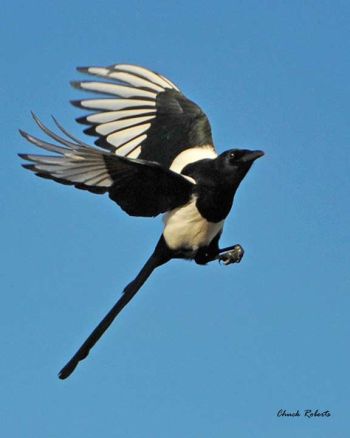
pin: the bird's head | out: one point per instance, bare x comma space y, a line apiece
235, 163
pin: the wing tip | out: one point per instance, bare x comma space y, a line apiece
23, 156
91, 131
29, 166
76, 84
23, 133
82, 120
76, 103
83, 69
102, 143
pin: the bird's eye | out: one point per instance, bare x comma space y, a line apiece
232, 155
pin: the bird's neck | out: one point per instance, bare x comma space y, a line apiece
214, 202
214, 190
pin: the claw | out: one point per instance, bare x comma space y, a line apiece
234, 255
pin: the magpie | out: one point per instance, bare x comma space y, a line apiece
154, 154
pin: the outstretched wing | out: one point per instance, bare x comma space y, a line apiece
147, 117
139, 187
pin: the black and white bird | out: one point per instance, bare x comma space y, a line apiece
155, 155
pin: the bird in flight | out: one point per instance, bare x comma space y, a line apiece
155, 154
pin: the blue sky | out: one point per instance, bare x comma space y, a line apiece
201, 352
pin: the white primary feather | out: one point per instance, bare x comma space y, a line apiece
116, 104
107, 128
111, 116
136, 81
120, 137
117, 90
129, 149
147, 74
74, 162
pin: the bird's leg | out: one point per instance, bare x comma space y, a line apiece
231, 254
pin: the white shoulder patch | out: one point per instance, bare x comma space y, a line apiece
191, 155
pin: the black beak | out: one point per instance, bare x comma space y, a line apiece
251, 156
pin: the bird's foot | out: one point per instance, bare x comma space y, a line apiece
232, 255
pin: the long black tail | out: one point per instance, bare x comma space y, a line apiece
131, 289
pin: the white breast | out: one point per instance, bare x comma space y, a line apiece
185, 228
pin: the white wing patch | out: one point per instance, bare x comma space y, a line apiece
116, 90
131, 146
120, 119
116, 104
151, 76
107, 128
125, 135
111, 116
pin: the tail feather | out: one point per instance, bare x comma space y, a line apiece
129, 292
